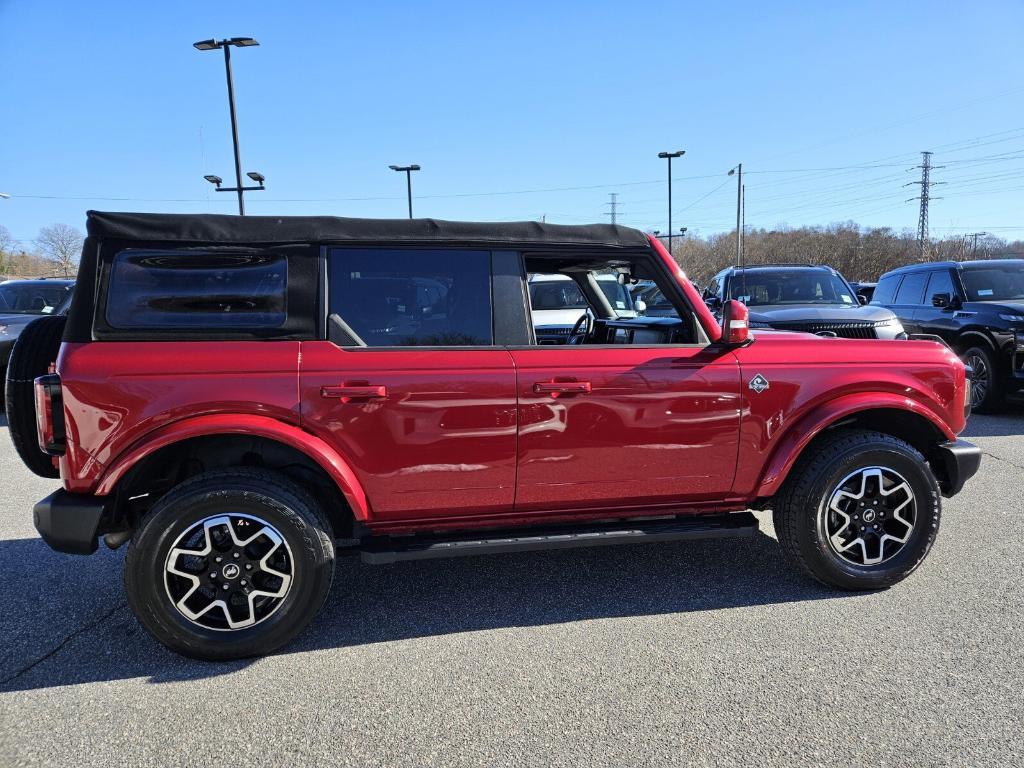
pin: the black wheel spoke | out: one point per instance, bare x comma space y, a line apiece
870, 516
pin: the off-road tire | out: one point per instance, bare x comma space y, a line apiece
264, 494
799, 508
995, 389
36, 347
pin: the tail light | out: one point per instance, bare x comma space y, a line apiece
50, 415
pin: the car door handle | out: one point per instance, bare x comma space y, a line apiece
349, 392
562, 387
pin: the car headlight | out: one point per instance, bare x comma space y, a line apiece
1012, 318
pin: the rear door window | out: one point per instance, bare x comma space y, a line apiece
197, 290
885, 291
413, 297
912, 288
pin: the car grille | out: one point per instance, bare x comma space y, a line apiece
843, 330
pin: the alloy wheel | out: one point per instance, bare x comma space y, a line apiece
979, 375
870, 516
229, 572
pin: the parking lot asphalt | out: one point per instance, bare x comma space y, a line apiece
699, 653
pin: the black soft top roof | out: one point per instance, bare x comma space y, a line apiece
217, 228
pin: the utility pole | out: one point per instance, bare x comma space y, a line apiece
614, 203
743, 220
976, 235
926, 183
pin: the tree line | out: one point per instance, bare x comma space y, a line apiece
858, 253
54, 253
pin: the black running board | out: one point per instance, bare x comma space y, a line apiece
390, 549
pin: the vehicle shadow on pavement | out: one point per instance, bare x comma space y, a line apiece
374, 604
1009, 423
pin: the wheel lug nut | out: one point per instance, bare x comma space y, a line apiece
213, 575
242, 582
219, 559
248, 566
235, 555
227, 586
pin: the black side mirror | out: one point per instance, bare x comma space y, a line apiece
941, 300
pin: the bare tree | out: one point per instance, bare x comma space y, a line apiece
61, 243
6, 240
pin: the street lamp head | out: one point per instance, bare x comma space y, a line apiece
414, 167
682, 230
217, 180
404, 168
242, 42
259, 178
732, 172
394, 168
655, 232
206, 45
678, 153
4, 196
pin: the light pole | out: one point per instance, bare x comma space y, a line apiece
738, 172
668, 156
407, 169
226, 44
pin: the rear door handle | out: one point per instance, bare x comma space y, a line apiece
562, 387
348, 392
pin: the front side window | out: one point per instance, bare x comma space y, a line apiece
193, 290
399, 298
1002, 283
912, 288
940, 282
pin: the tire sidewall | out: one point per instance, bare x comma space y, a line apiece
814, 542
144, 576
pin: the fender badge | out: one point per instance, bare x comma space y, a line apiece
759, 384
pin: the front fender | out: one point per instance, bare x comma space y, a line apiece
316, 449
804, 430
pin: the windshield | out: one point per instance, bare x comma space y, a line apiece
26, 298
654, 298
1004, 283
793, 286
617, 295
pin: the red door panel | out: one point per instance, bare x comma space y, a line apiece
625, 426
428, 433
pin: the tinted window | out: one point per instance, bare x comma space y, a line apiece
939, 282
1002, 283
196, 290
25, 298
912, 288
885, 291
413, 297
789, 286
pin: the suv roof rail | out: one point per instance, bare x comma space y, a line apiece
782, 264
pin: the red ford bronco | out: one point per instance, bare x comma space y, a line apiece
241, 399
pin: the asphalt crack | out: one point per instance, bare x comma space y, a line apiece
80, 631
1000, 458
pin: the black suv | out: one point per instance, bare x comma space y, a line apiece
801, 297
977, 307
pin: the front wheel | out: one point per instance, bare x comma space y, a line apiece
861, 512
229, 564
987, 390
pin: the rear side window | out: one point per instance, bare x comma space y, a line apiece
196, 290
885, 291
912, 289
398, 298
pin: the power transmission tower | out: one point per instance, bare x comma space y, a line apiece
926, 183
614, 205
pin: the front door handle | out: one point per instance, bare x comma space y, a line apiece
348, 392
556, 388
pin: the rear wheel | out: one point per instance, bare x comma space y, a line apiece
229, 564
861, 512
36, 348
987, 391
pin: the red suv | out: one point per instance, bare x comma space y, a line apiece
241, 399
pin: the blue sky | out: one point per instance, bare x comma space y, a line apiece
518, 110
